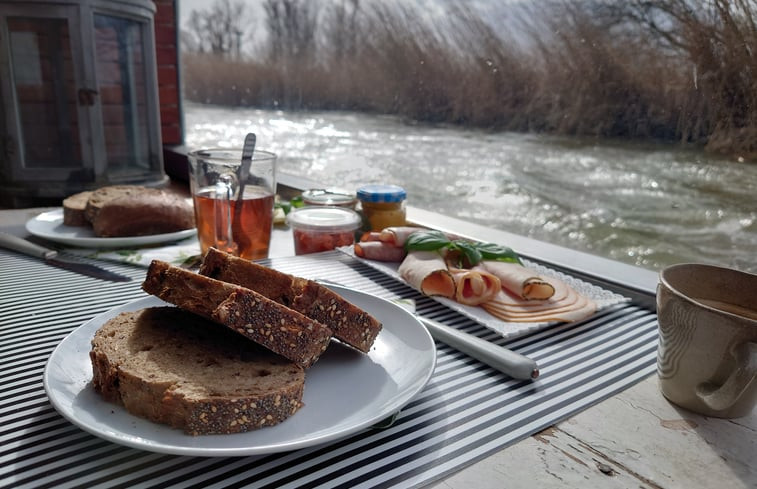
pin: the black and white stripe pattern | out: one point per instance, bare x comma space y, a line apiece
467, 412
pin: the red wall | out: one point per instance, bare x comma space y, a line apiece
168, 71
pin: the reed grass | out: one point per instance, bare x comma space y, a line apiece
678, 70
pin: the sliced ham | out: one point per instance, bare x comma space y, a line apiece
581, 310
565, 305
519, 280
397, 234
371, 236
427, 272
473, 287
379, 251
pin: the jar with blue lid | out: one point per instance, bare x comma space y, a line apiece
383, 206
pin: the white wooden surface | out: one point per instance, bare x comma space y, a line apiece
635, 439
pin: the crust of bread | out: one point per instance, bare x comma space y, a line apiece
139, 214
176, 368
103, 194
349, 323
277, 327
73, 209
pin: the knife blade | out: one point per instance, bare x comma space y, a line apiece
51, 257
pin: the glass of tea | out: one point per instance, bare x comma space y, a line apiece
233, 212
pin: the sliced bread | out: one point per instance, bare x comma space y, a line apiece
277, 327
74, 207
176, 368
349, 323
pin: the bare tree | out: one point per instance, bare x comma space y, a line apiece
292, 26
221, 29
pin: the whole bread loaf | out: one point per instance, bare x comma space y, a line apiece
277, 327
151, 211
176, 368
99, 197
349, 323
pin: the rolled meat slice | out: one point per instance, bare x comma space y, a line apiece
427, 272
519, 280
397, 234
379, 251
371, 236
474, 287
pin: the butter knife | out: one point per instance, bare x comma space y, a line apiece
507, 361
50, 257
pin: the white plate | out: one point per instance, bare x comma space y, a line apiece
345, 391
49, 225
603, 298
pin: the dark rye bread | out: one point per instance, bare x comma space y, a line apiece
176, 368
348, 322
278, 328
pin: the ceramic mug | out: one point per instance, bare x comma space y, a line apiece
707, 352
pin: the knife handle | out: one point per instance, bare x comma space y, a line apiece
27, 247
513, 364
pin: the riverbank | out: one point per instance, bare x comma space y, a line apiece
645, 204
588, 69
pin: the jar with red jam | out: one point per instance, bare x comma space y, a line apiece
322, 228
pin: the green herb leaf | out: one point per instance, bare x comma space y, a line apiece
469, 250
466, 253
491, 251
426, 241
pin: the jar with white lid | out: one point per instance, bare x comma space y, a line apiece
383, 206
322, 228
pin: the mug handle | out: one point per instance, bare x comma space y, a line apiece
223, 234
720, 398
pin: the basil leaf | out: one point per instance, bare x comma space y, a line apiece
491, 251
469, 251
426, 241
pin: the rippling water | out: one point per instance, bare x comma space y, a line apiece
644, 204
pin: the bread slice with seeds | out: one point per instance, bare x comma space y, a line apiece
277, 327
348, 322
179, 369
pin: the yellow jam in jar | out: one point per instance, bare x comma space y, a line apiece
383, 205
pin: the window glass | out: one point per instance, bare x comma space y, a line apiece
45, 89
623, 129
121, 79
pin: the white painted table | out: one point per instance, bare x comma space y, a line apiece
634, 439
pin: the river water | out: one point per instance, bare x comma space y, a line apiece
646, 204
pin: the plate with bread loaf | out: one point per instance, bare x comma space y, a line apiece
117, 216
238, 359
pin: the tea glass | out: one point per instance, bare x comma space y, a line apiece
233, 212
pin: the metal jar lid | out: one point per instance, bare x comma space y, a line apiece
324, 218
381, 193
329, 196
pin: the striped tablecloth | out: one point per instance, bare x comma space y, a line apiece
466, 412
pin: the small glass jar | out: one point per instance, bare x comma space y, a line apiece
383, 205
322, 228
329, 196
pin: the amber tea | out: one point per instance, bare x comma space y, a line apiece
250, 225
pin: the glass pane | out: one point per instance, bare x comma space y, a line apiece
120, 68
46, 89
